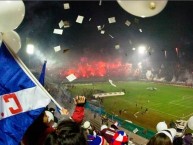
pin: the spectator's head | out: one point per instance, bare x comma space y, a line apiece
67, 133
48, 116
87, 125
52, 110
103, 127
87, 128
164, 137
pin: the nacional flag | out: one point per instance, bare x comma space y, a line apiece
43, 73
22, 97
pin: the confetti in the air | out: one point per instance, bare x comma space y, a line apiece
102, 32
57, 48
71, 77
61, 24
100, 2
111, 20
111, 36
128, 23
66, 6
79, 19
66, 24
58, 31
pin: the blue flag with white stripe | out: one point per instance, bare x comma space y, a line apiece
22, 98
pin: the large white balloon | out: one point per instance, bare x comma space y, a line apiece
12, 40
190, 123
11, 14
161, 126
143, 8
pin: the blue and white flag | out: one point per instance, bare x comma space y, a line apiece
22, 98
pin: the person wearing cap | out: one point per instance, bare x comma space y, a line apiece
39, 129
88, 129
163, 137
52, 110
69, 131
87, 125
42, 126
108, 133
48, 117
48, 122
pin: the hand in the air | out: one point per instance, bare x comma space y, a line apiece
79, 100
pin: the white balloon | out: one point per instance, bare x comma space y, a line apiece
161, 126
190, 123
12, 40
11, 14
143, 8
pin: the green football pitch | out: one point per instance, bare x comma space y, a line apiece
144, 103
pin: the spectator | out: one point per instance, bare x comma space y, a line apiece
164, 137
67, 133
52, 110
88, 129
108, 133
38, 131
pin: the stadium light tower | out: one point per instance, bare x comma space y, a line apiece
30, 49
141, 49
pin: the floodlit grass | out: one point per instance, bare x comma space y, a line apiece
166, 103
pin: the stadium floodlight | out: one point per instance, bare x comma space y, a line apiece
141, 49
30, 49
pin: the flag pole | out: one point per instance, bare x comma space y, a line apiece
31, 76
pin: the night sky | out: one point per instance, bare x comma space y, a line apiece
170, 29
